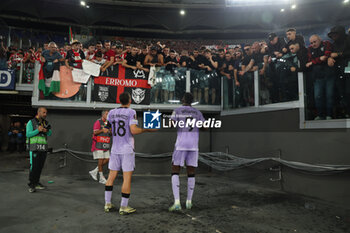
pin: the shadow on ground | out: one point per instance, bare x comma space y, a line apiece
75, 204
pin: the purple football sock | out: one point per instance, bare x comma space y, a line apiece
190, 187
108, 194
175, 181
125, 200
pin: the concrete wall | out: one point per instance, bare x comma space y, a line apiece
262, 134
250, 135
74, 128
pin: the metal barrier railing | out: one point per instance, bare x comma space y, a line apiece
168, 90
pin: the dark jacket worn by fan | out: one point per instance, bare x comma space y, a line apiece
341, 46
302, 58
278, 47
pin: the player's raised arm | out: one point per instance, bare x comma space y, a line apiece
134, 129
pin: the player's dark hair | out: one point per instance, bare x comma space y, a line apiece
188, 98
124, 98
98, 54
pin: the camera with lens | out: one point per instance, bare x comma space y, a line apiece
46, 125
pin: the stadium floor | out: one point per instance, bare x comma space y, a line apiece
75, 204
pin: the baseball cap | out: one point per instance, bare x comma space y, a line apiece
272, 36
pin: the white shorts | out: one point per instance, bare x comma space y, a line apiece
100, 154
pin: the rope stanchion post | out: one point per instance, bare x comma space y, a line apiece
279, 170
64, 157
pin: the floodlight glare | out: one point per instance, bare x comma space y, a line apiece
234, 3
83, 3
346, 1
182, 12
282, 10
87, 6
294, 6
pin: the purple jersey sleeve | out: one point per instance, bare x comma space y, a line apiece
133, 118
173, 116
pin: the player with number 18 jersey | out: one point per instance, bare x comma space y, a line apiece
123, 122
121, 119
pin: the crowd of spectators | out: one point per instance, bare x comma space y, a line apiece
277, 60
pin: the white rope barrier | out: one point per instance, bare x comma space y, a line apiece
226, 162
